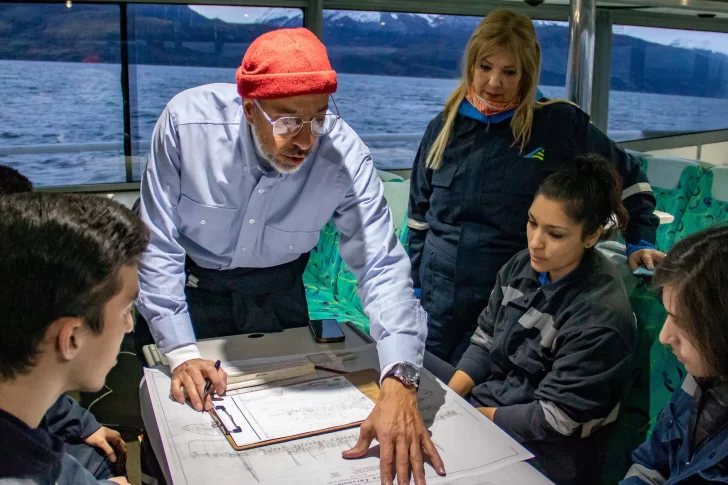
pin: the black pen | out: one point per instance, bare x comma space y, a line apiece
209, 382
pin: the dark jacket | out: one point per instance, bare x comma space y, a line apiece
477, 201
36, 456
69, 421
553, 358
689, 444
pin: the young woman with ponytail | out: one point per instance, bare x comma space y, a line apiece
554, 346
478, 166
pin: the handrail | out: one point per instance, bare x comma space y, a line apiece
638, 140
66, 148
660, 140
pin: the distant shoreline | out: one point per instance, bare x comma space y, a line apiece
347, 73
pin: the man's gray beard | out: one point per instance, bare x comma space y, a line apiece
268, 156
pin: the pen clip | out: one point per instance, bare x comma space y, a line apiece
220, 424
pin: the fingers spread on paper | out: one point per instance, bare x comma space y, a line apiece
397, 424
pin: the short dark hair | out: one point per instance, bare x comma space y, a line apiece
61, 256
591, 191
696, 268
13, 182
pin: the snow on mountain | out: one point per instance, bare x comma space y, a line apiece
360, 17
699, 43
281, 17
432, 19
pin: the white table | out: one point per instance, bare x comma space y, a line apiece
299, 341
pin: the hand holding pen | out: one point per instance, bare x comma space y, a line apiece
198, 377
209, 383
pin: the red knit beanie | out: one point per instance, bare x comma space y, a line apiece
285, 63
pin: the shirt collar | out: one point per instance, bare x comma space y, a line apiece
543, 279
718, 389
468, 110
589, 264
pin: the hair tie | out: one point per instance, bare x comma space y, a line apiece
584, 167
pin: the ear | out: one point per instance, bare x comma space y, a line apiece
249, 109
593, 238
70, 337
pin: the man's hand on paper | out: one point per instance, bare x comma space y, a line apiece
192, 375
397, 424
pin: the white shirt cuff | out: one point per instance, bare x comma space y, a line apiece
388, 368
179, 356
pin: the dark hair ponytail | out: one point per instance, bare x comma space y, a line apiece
591, 191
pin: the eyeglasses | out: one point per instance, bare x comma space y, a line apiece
289, 126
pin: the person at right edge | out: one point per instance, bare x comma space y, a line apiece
477, 169
689, 444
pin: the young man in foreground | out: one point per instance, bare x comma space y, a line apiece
69, 266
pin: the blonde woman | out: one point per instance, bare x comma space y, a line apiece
477, 170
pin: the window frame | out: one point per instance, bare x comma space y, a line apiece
313, 20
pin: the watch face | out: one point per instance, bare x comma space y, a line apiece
410, 373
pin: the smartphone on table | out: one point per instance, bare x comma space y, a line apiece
326, 331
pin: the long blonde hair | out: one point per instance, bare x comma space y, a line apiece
501, 29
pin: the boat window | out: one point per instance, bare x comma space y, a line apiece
667, 82
66, 71
176, 47
397, 69
60, 79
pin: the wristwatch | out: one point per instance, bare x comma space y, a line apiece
405, 372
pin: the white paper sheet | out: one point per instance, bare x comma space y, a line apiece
198, 454
286, 411
520, 473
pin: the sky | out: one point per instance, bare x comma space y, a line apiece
717, 42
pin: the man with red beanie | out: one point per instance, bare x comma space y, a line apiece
239, 182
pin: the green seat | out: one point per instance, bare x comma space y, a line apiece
674, 181
634, 420
666, 374
388, 176
324, 261
658, 369
655, 374
323, 303
320, 281
330, 285
347, 284
709, 204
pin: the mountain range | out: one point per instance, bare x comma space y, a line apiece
389, 44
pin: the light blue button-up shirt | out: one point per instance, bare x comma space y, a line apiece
206, 194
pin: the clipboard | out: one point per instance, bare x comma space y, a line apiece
366, 381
